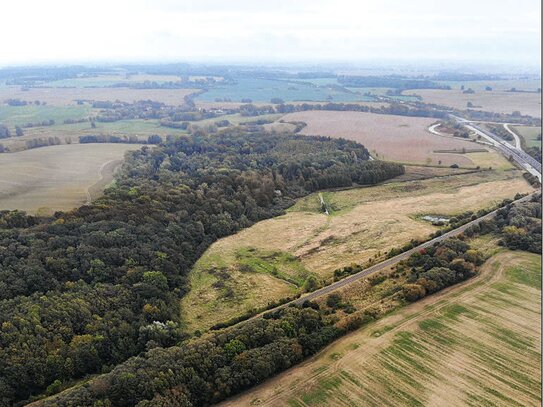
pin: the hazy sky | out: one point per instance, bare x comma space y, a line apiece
492, 31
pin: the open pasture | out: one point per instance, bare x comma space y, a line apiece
529, 134
69, 96
112, 79
364, 223
44, 180
478, 343
263, 90
490, 101
388, 137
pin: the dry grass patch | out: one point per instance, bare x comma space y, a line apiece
491, 101
478, 343
68, 96
58, 177
390, 137
365, 223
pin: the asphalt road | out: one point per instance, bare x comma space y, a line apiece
392, 261
518, 155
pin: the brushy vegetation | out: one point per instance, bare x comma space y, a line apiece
215, 366
87, 289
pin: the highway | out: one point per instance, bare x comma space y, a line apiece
518, 155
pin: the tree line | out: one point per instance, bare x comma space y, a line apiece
220, 364
84, 290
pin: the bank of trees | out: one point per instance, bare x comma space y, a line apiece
85, 290
211, 368
518, 225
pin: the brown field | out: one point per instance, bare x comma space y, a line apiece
364, 223
493, 101
68, 96
62, 177
390, 137
477, 343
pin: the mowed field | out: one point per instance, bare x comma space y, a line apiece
390, 137
68, 96
47, 179
273, 258
490, 101
529, 134
475, 344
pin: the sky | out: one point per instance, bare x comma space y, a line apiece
271, 31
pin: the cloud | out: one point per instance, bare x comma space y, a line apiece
340, 30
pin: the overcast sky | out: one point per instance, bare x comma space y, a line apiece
485, 31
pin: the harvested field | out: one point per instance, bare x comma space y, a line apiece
490, 101
478, 343
389, 137
60, 177
68, 96
364, 223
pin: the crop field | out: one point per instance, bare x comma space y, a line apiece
477, 343
389, 137
492, 101
69, 133
68, 96
506, 84
21, 115
61, 177
529, 134
108, 80
364, 223
263, 90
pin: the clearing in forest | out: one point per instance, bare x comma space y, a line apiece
272, 259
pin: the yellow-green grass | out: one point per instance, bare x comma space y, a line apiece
363, 225
47, 179
475, 344
21, 115
529, 134
497, 101
69, 133
69, 96
491, 159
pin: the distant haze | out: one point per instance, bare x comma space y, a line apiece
499, 32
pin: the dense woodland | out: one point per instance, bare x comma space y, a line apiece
518, 225
209, 369
85, 290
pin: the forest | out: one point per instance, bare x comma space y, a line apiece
209, 369
84, 290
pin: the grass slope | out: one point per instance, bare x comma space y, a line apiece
474, 344
364, 223
57, 177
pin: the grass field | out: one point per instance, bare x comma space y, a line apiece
529, 134
21, 115
68, 96
519, 84
475, 344
364, 223
390, 137
493, 101
60, 177
263, 90
69, 133
108, 80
